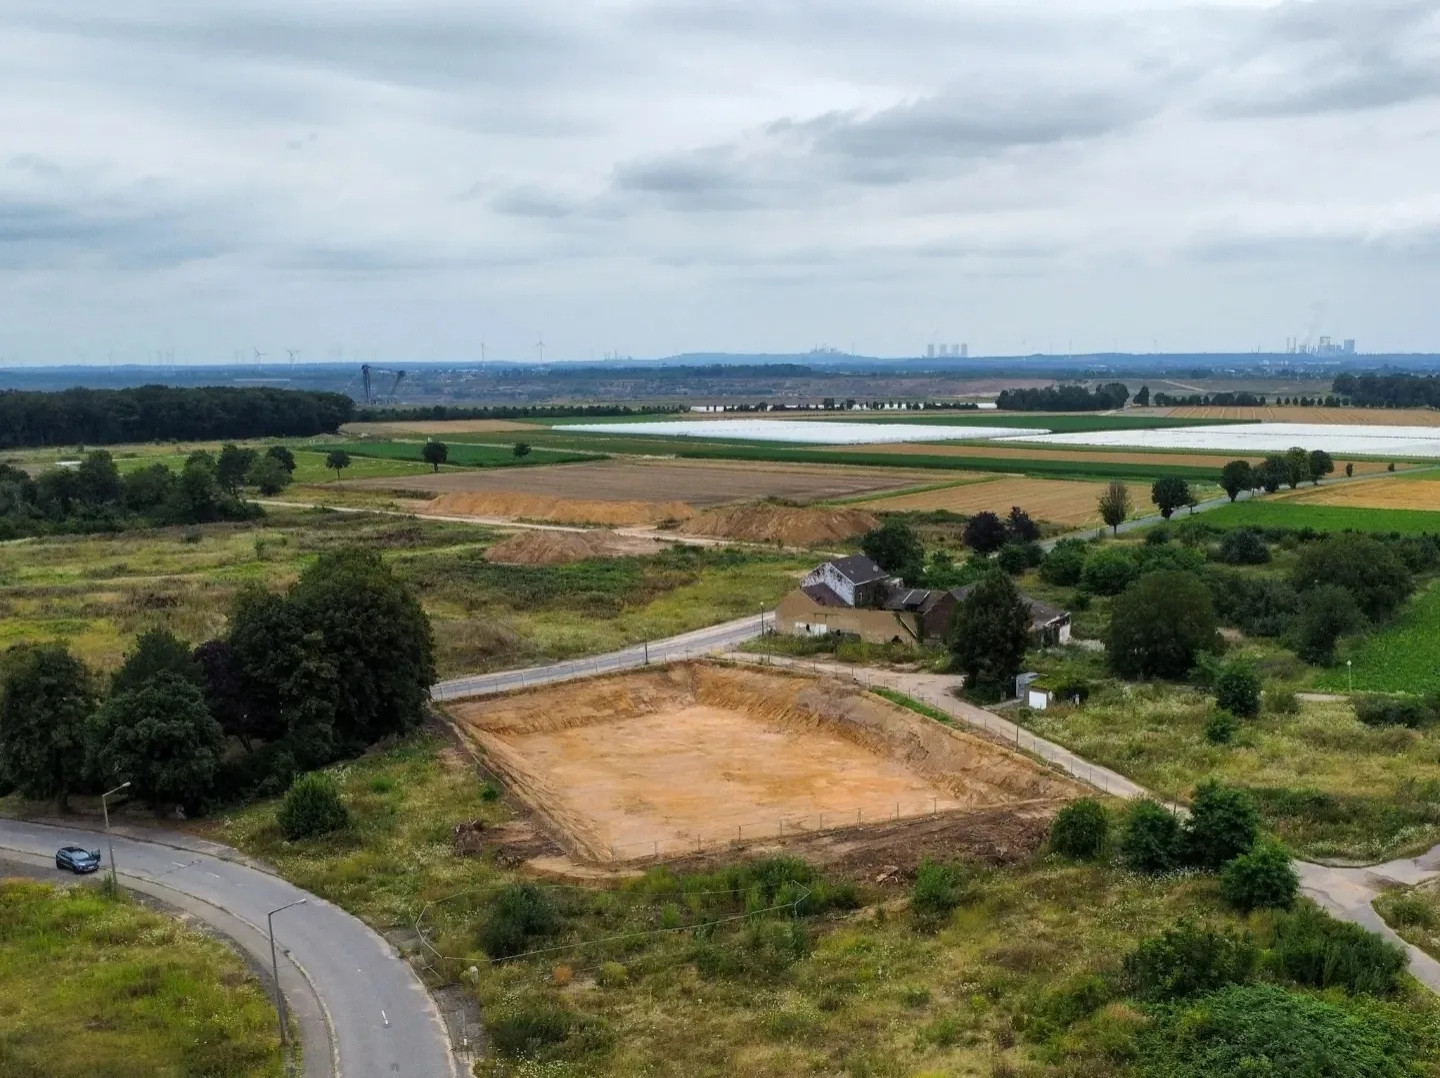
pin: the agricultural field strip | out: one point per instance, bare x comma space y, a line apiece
1371, 441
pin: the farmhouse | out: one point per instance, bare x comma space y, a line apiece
856, 597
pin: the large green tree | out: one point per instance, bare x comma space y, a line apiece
1115, 504
1368, 569
158, 651
162, 739
1159, 624
1169, 494
232, 466
46, 699
1237, 476
896, 548
435, 453
1297, 466
990, 634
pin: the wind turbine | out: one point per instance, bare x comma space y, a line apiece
540, 348
292, 353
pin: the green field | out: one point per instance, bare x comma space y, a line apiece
91, 986
460, 453
1281, 513
1402, 657
97, 592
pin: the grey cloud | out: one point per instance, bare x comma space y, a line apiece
532, 202
36, 233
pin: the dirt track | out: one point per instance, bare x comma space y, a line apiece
666, 762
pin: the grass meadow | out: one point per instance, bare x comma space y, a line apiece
1404, 656
464, 454
1282, 513
91, 986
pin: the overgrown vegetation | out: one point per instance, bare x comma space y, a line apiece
99, 986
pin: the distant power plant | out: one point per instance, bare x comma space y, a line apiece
956, 351
1324, 347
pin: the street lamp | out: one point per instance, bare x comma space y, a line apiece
1350, 674
275, 970
104, 807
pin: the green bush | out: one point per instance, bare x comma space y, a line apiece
1064, 564
1243, 546
1263, 1031
1393, 711
1237, 689
1314, 949
312, 806
1108, 571
1186, 960
1220, 728
1224, 823
546, 1032
1260, 879
1151, 839
1080, 829
937, 890
765, 950
1013, 558
1282, 702
520, 915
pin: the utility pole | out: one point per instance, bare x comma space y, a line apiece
110, 841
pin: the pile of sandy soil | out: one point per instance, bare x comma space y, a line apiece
788, 525
558, 548
517, 506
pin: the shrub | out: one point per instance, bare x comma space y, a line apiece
312, 806
520, 914
546, 1032
1364, 566
1224, 823
1080, 829
1150, 841
937, 890
1013, 559
1282, 702
1393, 711
1314, 949
1243, 546
1325, 613
1256, 605
1411, 910
1072, 690
1158, 535
1221, 727
1260, 879
985, 533
1186, 960
1263, 1031
1159, 625
1108, 571
1064, 564
1237, 689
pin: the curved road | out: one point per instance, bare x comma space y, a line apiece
362, 1011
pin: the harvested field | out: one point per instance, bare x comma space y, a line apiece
512, 505
1419, 493
1096, 456
781, 524
561, 548
432, 427
671, 761
1060, 501
697, 483
1389, 417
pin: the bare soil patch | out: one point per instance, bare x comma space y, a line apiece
671, 762
1360, 417
786, 525
639, 481
513, 505
559, 548
1061, 501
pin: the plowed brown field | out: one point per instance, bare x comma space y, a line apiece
1061, 501
670, 761
783, 524
1390, 417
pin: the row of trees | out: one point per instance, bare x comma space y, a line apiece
166, 414
340, 660
94, 496
1389, 390
1064, 399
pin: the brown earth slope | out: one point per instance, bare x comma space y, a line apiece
788, 525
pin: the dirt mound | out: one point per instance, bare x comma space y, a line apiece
559, 548
789, 525
513, 505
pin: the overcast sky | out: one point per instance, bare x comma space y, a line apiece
408, 178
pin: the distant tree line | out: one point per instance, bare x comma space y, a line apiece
339, 661
1064, 399
1389, 390
1217, 400
510, 411
95, 497
166, 413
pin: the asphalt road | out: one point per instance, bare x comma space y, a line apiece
687, 645
376, 1020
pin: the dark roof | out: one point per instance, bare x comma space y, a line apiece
858, 569
908, 599
823, 594
1041, 612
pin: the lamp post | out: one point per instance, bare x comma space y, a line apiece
105, 808
1350, 674
275, 971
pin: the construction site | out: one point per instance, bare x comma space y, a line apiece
696, 758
